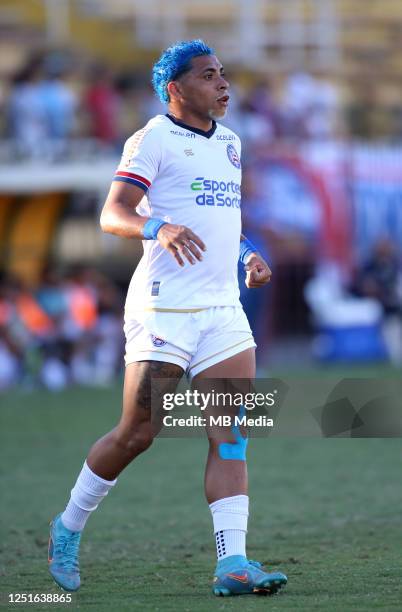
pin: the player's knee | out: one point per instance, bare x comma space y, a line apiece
136, 441
229, 449
141, 441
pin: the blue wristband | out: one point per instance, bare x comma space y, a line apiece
151, 228
246, 248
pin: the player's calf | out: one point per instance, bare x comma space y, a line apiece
106, 460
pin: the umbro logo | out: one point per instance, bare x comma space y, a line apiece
188, 152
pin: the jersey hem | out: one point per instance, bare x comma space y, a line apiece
184, 310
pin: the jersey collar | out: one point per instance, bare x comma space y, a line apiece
207, 133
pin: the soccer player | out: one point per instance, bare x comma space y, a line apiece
177, 189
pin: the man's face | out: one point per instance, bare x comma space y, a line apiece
203, 89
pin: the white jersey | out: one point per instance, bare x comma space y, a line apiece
192, 178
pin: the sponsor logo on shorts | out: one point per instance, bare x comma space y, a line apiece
156, 341
233, 156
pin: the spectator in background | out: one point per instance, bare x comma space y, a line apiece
50, 295
28, 333
93, 326
148, 104
254, 127
256, 228
41, 110
110, 341
261, 100
101, 100
10, 350
133, 98
27, 113
79, 325
310, 107
59, 99
40, 340
254, 114
381, 278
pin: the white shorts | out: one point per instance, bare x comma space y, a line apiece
193, 340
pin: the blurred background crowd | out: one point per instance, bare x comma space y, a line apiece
53, 100
65, 331
315, 97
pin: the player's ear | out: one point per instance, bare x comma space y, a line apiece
174, 90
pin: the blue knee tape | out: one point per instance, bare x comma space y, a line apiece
234, 450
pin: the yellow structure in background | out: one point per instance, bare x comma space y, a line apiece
6, 209
346, 37
30, 234
95, 35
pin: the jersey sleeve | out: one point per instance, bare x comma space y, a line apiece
140, 161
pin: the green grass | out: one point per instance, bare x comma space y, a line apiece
326, 512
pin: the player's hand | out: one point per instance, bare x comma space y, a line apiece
181, 242
258, 272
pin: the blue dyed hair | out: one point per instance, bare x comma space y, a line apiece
175, 61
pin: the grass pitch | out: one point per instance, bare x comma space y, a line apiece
327, 512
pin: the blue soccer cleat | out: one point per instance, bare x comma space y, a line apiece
63, 555
235, 575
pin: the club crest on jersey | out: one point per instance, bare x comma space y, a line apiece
233, 156
156, 341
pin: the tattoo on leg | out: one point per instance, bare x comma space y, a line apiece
149, 389
160, 369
